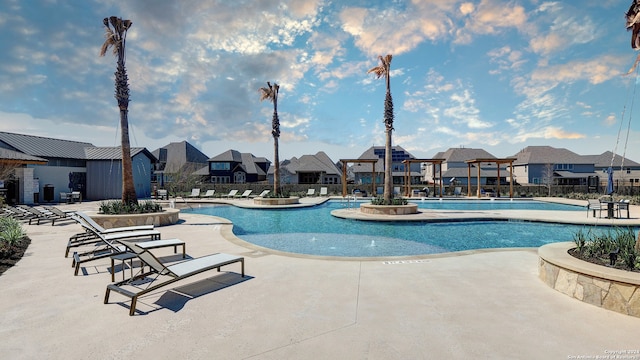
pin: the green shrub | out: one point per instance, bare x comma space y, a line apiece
618, 240
115, 207
394, 201
11, 232
281, 194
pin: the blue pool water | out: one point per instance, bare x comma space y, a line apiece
314, 231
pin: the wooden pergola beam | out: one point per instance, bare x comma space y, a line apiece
498, 162
407, 173
358, 161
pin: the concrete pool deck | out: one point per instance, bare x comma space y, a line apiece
475, 304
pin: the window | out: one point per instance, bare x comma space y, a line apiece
628, 170
220, 179
218, 166
239, 177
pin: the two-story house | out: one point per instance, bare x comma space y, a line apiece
234, 167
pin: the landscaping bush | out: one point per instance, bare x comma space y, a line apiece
11, 237
116, 207
597, 247
394, 201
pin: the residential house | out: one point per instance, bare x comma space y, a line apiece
363, 171
626, 172
177, 161
455, 169
308, 169
549, 165
234, 167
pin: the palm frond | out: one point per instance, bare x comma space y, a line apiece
108, 42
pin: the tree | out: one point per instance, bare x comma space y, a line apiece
547, 177
115, 36
384, 70
271, 93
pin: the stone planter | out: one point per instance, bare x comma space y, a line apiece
605, 287
166, 217
389, 209
276, 201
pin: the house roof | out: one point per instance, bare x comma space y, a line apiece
549, 155
604, 160
11, 156
229, 156
113, 153
181, 155
463, 154
320, 162
248, 162
42, 146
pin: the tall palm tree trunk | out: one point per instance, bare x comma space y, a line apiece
129, 195
388, 179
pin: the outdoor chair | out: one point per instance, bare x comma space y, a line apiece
195, 193
246, 194
59, 215
457, 191
172, 273
623, 205
311, 192
323, 191
593, 205
209, 194
231, 194
263, 193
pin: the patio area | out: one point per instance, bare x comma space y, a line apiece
475, 304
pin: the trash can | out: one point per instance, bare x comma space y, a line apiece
48, 193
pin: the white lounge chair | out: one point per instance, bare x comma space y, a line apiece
194, 193
231, 194
323, 191
175, 272
246, 194
209, 193
264, 193
311, 192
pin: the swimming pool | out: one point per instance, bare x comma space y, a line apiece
314, 231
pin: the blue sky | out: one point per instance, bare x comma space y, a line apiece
491, 74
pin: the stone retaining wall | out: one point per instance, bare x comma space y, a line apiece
276, 201
166, 217
389, 209
609, 288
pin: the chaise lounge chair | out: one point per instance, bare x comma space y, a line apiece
311, 192
195, 193
175, 272
323, 191
263, 193
245, 194
231, 194
209, 194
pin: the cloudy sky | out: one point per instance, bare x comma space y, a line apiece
492, 74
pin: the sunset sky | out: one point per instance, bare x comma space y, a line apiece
491, 74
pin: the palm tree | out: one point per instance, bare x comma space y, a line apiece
116, 35
384, 70
271, 93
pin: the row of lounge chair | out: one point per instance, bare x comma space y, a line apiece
195, 194
137, 243
36, 214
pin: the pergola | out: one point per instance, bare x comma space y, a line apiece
358, 161
488, 161
407, 174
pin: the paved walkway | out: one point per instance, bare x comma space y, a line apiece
480, 304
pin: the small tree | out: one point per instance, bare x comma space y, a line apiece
381, 70
116, 36
547, 177
270, 93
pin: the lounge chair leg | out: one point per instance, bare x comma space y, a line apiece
132, 310
106, 296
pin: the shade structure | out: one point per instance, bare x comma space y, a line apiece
609, 181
